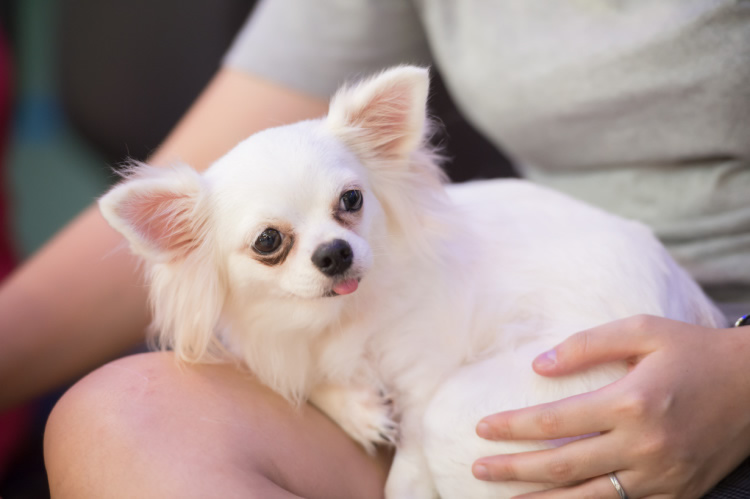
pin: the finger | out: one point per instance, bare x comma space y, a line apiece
572, 462
592, 412
618, 340
600, 487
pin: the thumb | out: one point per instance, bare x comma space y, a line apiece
619, 340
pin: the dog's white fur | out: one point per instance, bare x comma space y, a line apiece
461, 286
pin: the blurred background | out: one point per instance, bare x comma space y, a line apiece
86, 84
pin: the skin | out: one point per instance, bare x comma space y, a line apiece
671, 428
146, 426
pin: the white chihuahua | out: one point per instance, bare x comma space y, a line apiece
331, 258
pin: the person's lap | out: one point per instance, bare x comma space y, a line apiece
145, 426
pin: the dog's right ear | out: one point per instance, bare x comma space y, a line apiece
158, 210
163, 213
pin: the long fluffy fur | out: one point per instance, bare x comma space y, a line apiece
180, 252
459, 285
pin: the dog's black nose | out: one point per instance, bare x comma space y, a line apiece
333, 258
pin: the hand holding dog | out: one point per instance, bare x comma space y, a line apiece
672, 427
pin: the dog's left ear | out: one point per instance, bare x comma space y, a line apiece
383, 116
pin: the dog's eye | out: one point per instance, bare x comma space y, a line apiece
268, 242
351, 200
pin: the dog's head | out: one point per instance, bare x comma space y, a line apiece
299, 212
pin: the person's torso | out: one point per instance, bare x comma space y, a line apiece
641, 107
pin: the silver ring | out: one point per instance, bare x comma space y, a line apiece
618, 486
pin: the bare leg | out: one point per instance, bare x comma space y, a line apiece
143, 426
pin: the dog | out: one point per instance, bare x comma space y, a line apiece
331, 257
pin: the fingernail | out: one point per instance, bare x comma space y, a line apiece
481, 472
484, 430
547, 359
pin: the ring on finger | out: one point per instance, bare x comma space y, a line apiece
618, 486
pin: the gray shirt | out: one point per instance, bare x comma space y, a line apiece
641, 106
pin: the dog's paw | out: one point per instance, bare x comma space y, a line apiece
371, 418
364, 413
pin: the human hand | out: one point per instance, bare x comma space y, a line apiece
671, 428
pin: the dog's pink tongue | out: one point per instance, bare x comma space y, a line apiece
346, 287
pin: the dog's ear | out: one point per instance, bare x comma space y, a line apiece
158, 210
384, 122
383, 116
163, 214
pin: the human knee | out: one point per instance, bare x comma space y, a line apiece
99, 421
105, 398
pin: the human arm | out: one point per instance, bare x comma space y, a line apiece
80, 300
671, 428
